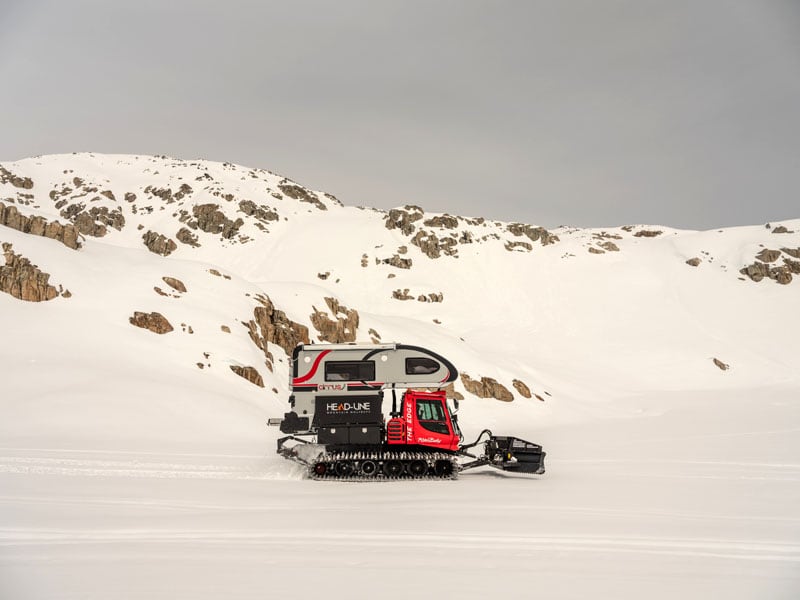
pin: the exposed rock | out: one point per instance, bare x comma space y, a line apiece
609, 246
96, 220
768, 256
594, 250
534, 234
248, 373
723, 366
434, 247
159, 291
446, 221
402, 295
374, 336
225, 328
396, 261
167, 195
781, 229
259, 211
794, 252
404, 218
364, 260
694, 262
647, 233
451, 392
154, 321
272, 325
209, 218
300, 193
512, 246
6, 176
108, 194
66, 234
23, 280
758, 271
486, 388
158, 243
432, 297
130, 197
216, 273
185, 236
175, 284
343, 329
523, 389
324, 275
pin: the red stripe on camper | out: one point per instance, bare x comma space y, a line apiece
313, 370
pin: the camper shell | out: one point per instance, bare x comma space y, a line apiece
342, 384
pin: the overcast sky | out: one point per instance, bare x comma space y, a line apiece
680, 113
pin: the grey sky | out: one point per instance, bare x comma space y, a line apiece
681, 113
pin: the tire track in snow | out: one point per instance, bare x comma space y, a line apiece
143, 469
339, 541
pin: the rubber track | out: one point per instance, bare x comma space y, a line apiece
380, 458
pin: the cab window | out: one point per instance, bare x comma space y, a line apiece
431, 416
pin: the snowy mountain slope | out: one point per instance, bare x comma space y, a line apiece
656, 454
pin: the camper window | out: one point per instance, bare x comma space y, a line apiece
421, 366
350, 370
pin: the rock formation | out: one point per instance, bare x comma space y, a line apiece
154, 321
342, 329
23, 280
486, 388
272, 325
248, 373
158, 243
66, 234
523, 389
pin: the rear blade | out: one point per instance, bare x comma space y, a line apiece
513, 454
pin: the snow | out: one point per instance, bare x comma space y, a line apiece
128, 472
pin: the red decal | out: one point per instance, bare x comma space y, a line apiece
313, 370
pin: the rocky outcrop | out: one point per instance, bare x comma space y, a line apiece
185, 236
521, 388
722, 366
158, 243
167, 195
398, 262
486, 388
609, 246
404, 218
514, 246
338, 330
94, 221
432, 246
260, 211
534, 234
6, 176
647, 233
693, 262
402, 294
781, 229
175, 284
23, 280
66, 234
209, 218
248, 373
272, 325
300, 193
445, 221
153, 321
783, 274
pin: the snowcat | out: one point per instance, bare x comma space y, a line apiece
337, 429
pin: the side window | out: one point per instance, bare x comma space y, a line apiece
421, 366
350, 370
431, 416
